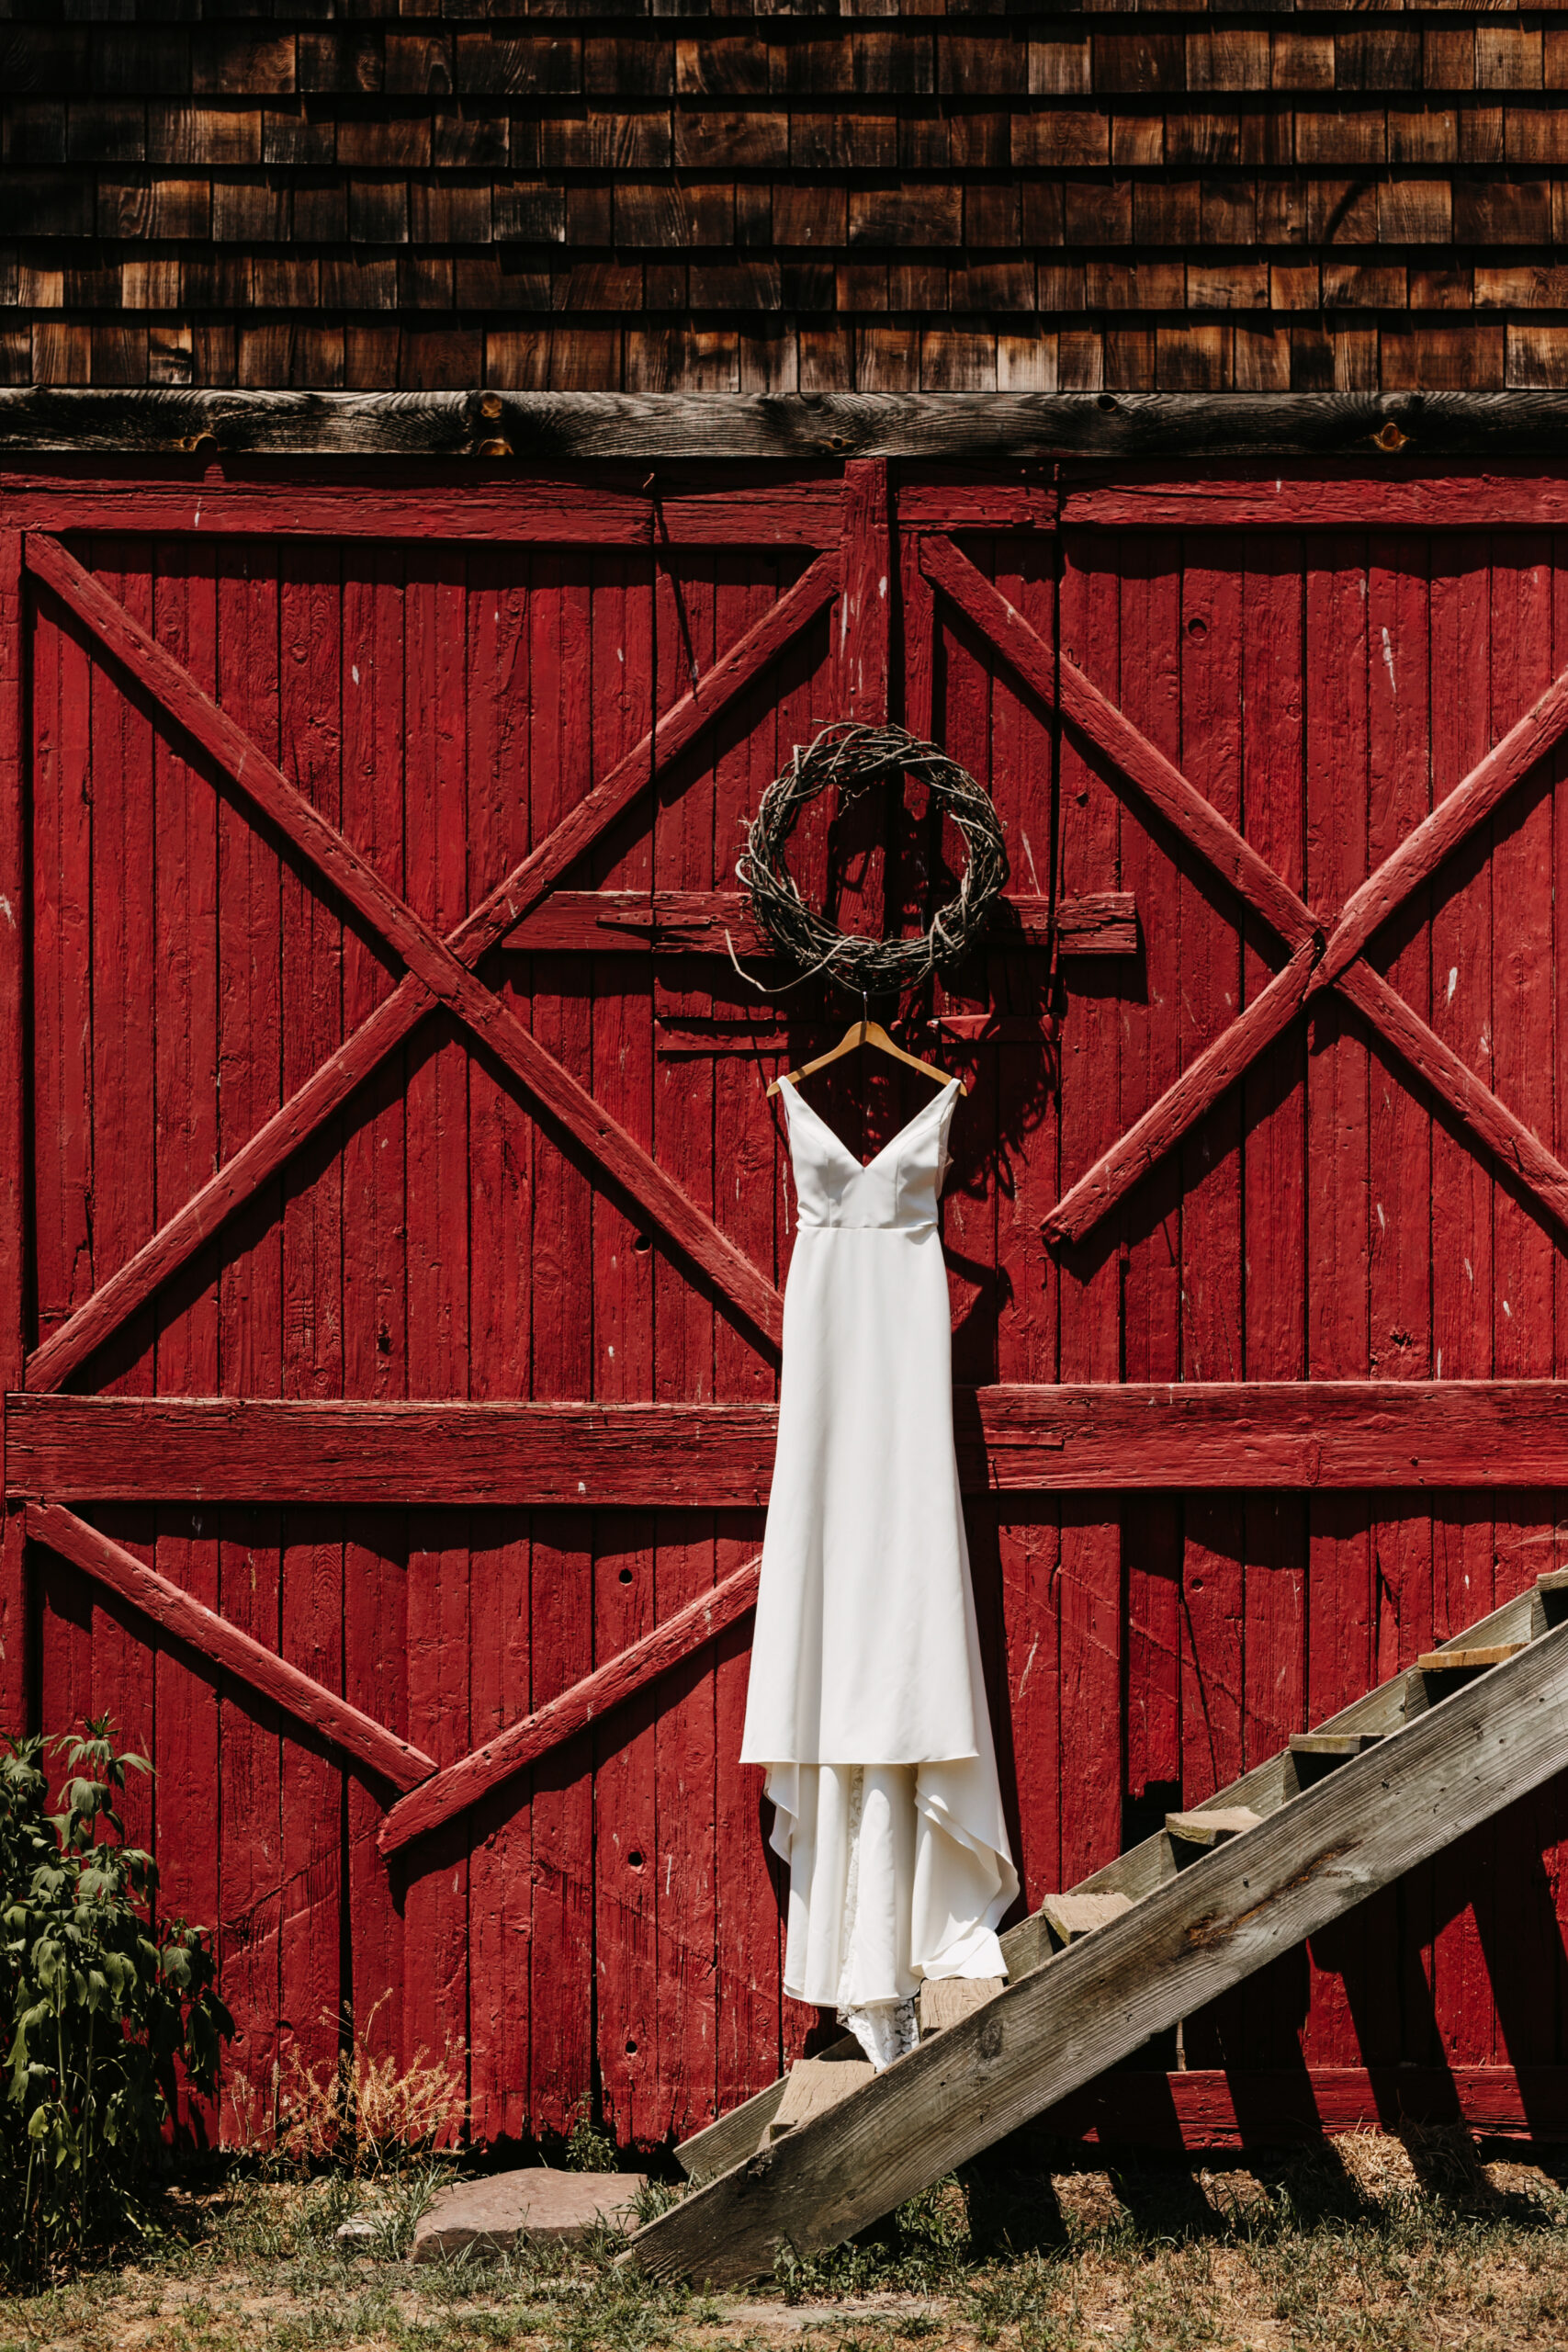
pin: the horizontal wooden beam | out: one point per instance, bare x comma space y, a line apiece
225, 1647
1385, 497
1012, 1439
462, 1784
685, 922
558, 429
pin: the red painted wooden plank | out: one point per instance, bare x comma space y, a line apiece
373, 668
1132, 757
441, 1277
1340, 1616
501, 1214
13, 1271
310, 1555
532, 509
694, 922
1012, 1439
618, 638
563, 1954
366, 1047
1091, 1744
1211, 1254
224, 1646
1344, 500
865, 612
748, 1192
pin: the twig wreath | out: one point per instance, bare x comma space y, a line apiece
854, 758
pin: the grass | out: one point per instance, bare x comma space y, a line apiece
1371, 2241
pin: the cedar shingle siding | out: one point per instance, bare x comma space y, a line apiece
1133, 200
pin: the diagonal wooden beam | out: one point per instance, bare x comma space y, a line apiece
1421, 853
1503, 1132
329, 1088
224, 1646
452, 1792
1154, 778
1181, 1107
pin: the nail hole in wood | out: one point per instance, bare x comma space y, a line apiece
626, 1576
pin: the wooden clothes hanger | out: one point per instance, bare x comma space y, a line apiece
866, 1032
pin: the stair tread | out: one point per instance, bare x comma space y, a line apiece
1465, 1661
1333, 1743
1071, 1916
1203, 1827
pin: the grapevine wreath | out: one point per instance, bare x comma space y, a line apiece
853, 759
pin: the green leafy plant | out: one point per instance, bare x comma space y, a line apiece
102, 2002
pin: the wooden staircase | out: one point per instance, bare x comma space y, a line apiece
1150, 1938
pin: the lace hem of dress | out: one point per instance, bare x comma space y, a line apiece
884, 2030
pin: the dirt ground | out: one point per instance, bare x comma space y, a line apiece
1423, 2241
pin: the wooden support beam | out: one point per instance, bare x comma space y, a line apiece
1063, 2022
556, 429
694, 922
1012, 1439
1350, 498
224, 1646
459, 1785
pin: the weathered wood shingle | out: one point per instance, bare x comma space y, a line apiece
1137, 198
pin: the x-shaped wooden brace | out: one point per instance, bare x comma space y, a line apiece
1316, 962
437, 972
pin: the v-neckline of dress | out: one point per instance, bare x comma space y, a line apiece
863, 1167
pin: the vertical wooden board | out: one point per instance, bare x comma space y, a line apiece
1463, 1188
1463, 1589
1029, 1551
1152, 1577
311, 1990
185, 972
1339, 1608
62, 966
434, 1873
498, 1835
1274, 1272
435, 835
186, 977
123, 1117
1149, 694
250, 1302
190, 1789
1024, 1176
669, 1909
563, 1956
569, 1878
375, 1679
312, 1612
250, 1828
1091, 1593
1526, 1248
618, 650
968, 1218
14, 1282
500, 1342
747, 1186
375, 1278
1206, 1309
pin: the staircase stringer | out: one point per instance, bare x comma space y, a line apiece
1060, 2023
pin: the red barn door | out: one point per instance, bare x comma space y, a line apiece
395, 1222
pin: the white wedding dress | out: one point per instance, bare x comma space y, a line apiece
866, 1703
